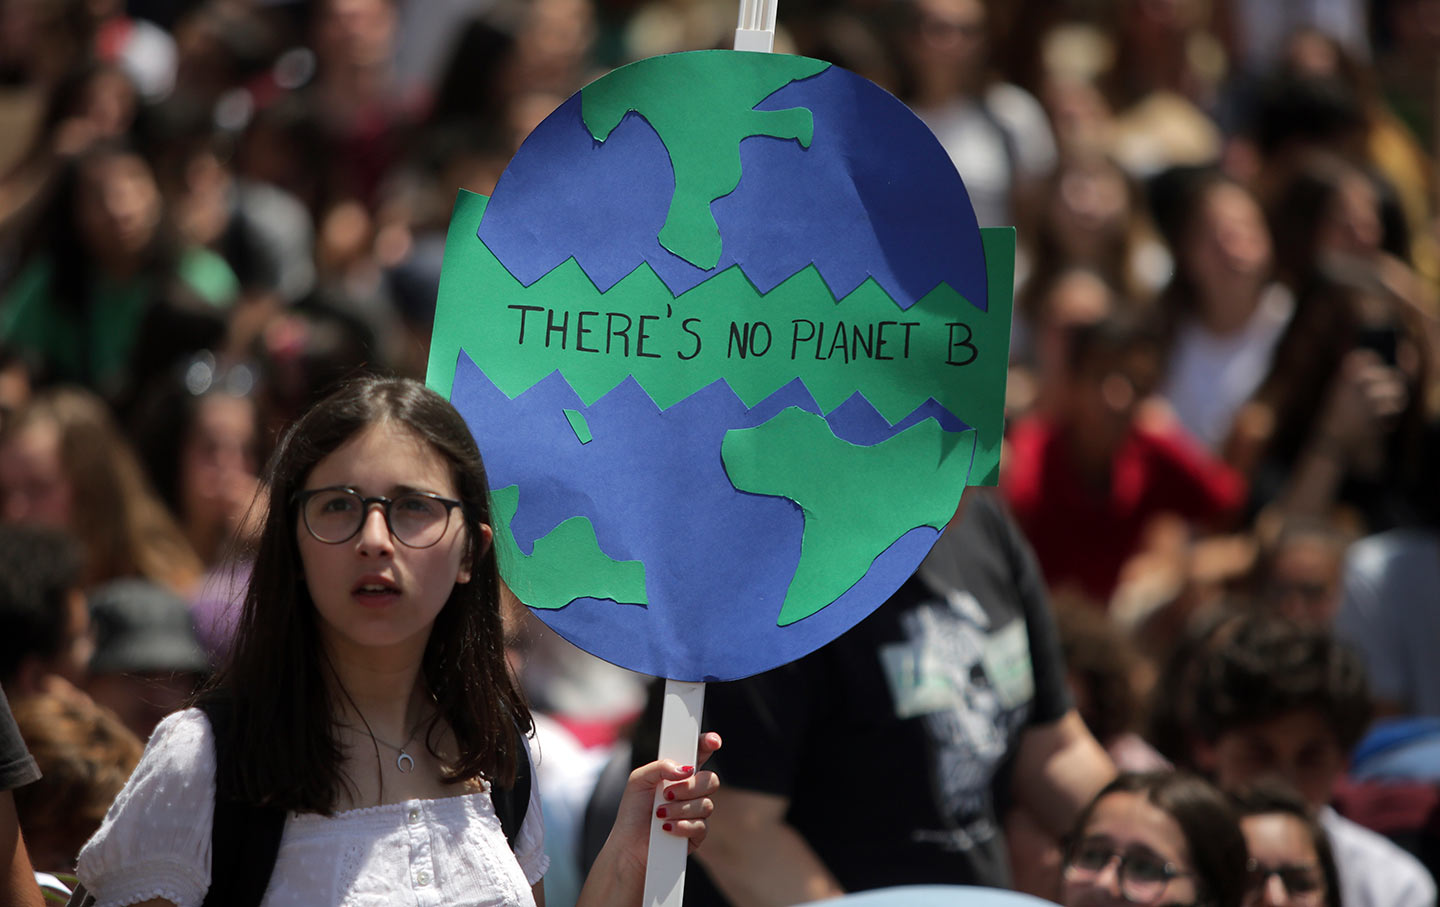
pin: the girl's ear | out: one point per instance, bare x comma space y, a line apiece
487, 538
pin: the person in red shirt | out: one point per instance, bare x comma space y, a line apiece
1086, 478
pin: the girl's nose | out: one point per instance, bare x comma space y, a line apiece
1275, 894
1109, 876
375, 532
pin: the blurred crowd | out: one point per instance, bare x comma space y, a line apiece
1222, 405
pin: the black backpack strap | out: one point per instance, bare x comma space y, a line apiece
511, 803
245, 838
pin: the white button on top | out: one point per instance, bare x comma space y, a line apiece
414, 815
423, 878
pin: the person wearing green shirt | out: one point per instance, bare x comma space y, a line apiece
106, 285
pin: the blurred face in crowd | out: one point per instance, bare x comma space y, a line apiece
1080, 114
552, 46
1091, 207
33, 486
63, 671
1126, 826
218, 461
1077, 298
356, 32
948, 33
1297, 747
1304, 580
1351, 225
109, 103
118, 208
1228, 247
105, 108
1104, 393
1312, 53
1285, 870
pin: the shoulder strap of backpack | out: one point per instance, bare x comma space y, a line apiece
511, 803
244, 838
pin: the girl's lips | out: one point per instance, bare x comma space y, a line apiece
375, 589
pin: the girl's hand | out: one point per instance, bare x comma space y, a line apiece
686, 804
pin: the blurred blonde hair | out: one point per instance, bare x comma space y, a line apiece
124, 527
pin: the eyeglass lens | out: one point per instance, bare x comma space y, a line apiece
1142, 875
1298, 880
335, 515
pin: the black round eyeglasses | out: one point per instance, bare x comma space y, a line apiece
1142, 875
417, 519
1304, 882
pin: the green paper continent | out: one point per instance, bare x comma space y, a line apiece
701, 106
857, 501
674, 346
579, 425
566, 563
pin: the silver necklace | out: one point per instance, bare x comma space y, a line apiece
404, 762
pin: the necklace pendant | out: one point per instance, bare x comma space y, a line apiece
404, 763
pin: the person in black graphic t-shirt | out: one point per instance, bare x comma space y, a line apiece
879, 759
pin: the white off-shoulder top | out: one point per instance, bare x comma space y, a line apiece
155, 842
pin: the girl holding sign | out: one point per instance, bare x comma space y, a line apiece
367, 709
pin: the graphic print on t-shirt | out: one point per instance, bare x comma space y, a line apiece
971, 688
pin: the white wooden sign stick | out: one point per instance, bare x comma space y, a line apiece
679, 737
756, 30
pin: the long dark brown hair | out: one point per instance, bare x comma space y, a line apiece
1330, 322
283, 710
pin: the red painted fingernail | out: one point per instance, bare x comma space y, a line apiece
667, 826
687, 769
660, 813
669, 795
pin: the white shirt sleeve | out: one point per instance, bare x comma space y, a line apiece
1023, 117
155, 840
530, 840
1374, 871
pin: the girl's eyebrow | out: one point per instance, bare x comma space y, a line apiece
413, 489
1095, 839
392, 491
1144, 850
